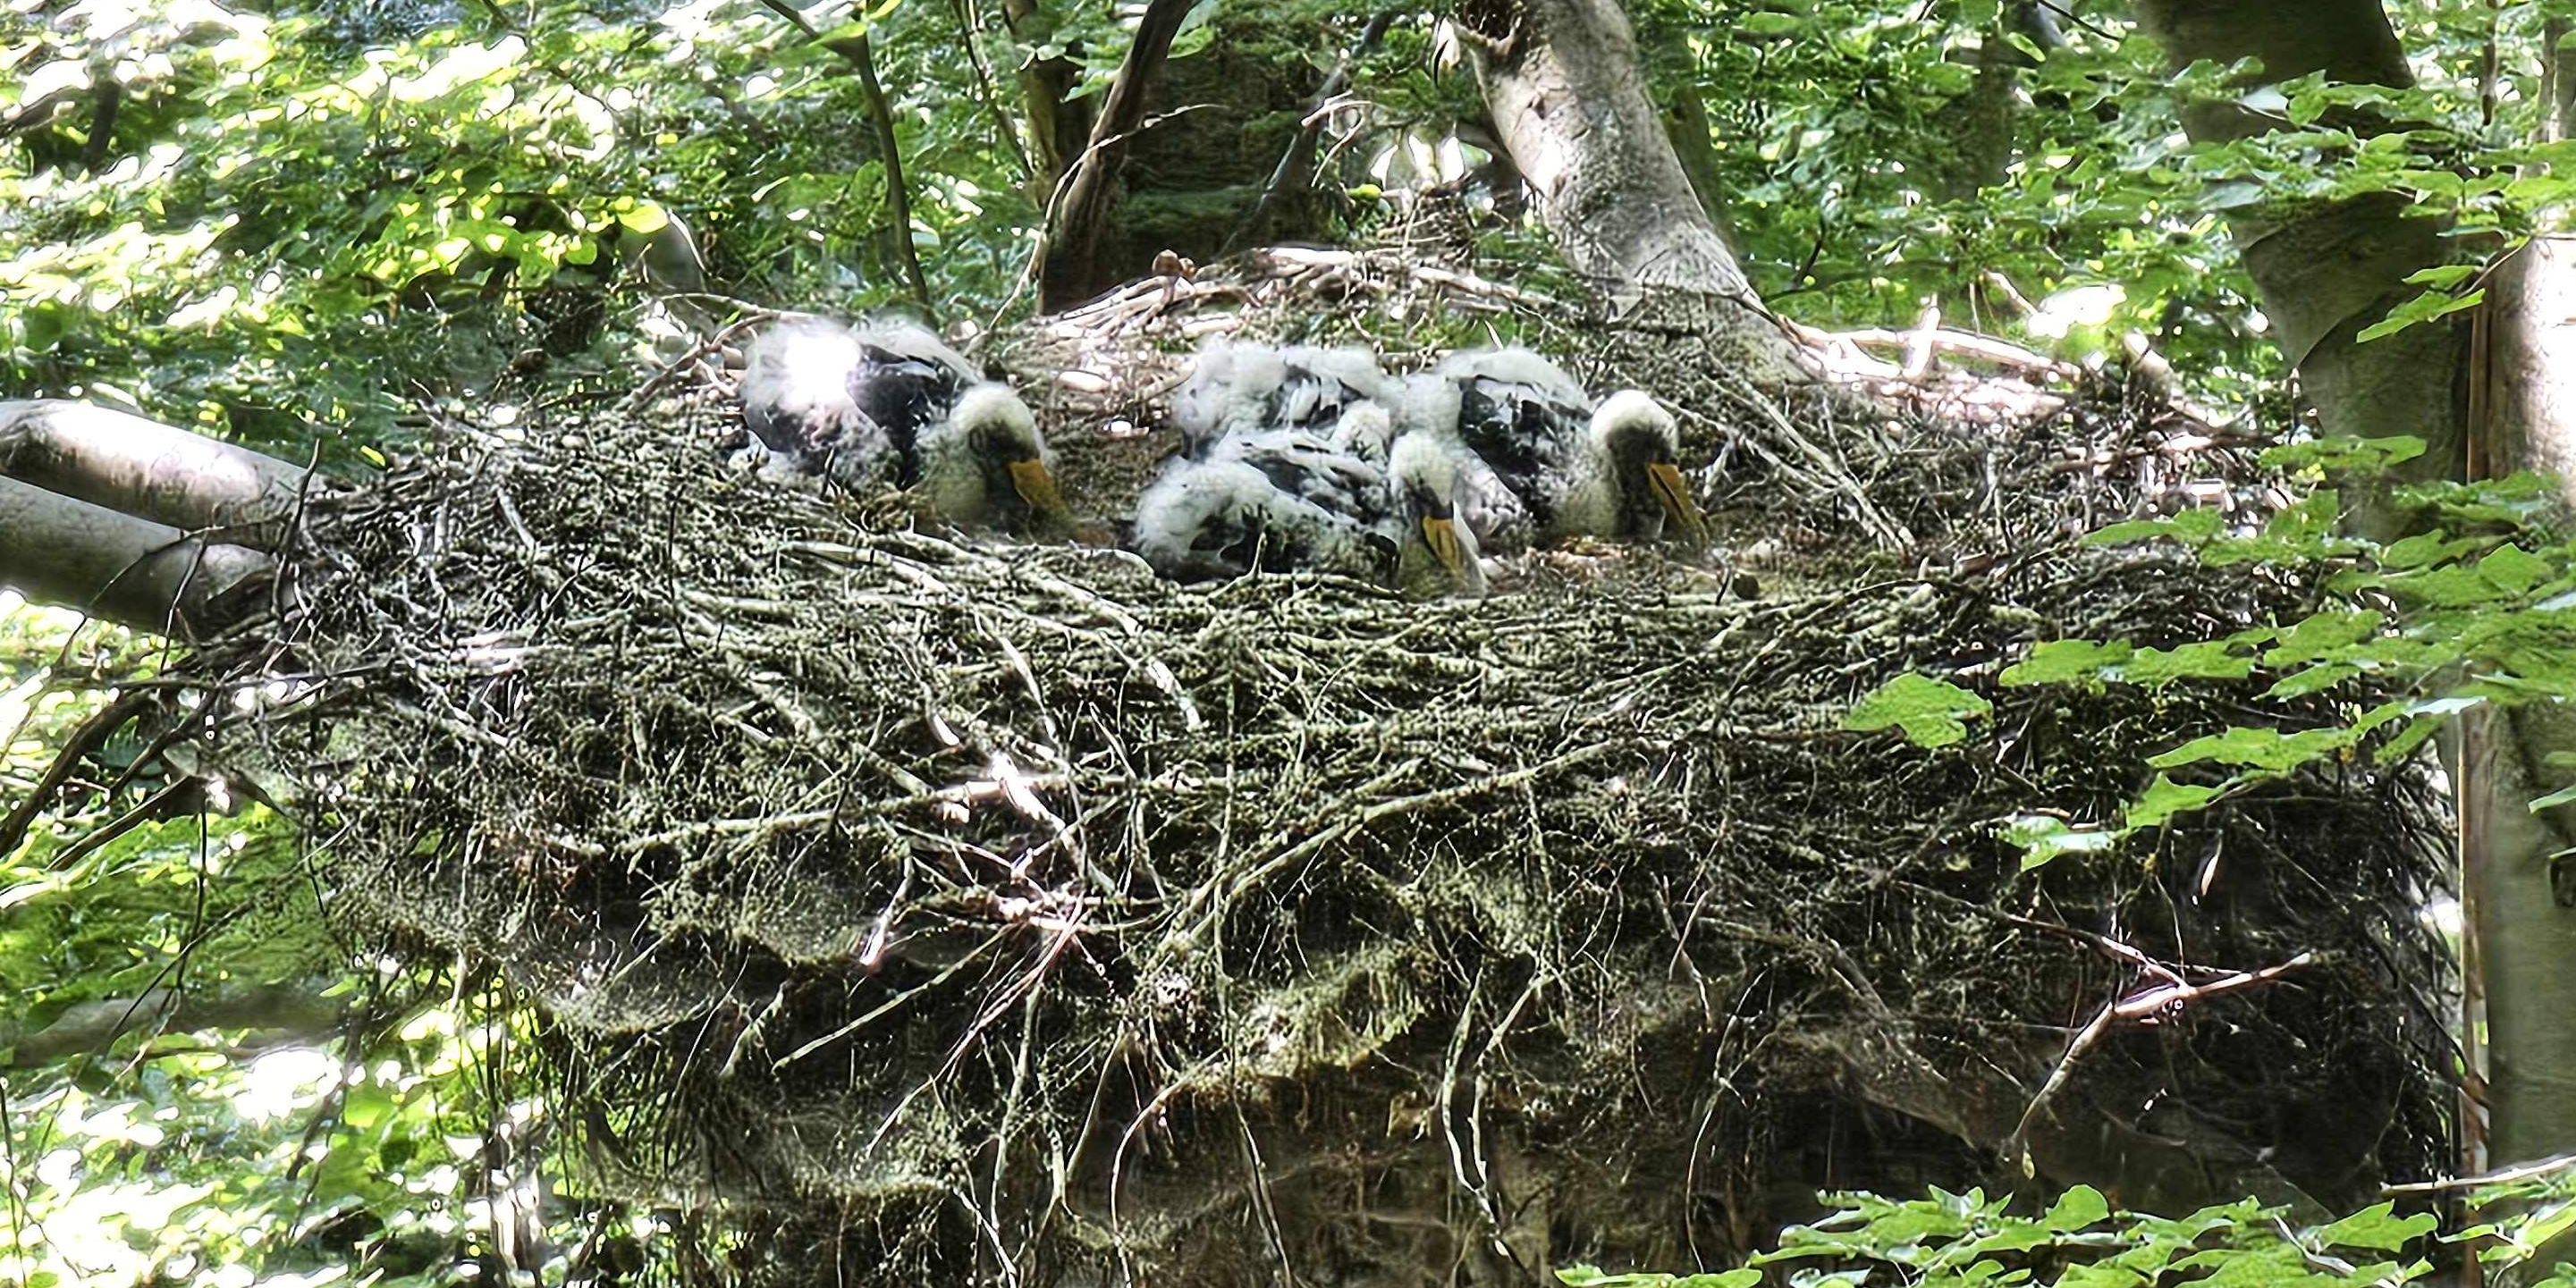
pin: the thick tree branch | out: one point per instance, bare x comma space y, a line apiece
1567, 92
2326, 271
295, 1010
1057, 124
149, 470
1068, 263
898, 194
58, 549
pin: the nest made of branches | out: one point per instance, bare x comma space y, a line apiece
1000, 912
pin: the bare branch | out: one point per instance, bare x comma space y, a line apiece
1296, 165
298, 1009
898, 195
58, 549
1068, 262
152, 471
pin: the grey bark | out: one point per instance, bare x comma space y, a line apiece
1567, 92
1069, 267
148, 470
2525, 937
287, 1012
2327, 270
61, 550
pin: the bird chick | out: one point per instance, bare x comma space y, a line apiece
888, 404
1612, 471
1240, 388
796, 398
1436, 548
1636, 489
986, 463
1206, 520
1429, 406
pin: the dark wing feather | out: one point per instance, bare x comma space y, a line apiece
903, 395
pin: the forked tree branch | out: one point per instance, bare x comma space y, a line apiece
1068, 268
58, 549
151, 471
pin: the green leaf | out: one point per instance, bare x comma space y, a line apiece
2068, 662
2515, 570
1932, 713
2190, 526
2449, 586
2378, 1228
2076, 1209
2044, 838
2414, 735
2445, 276
2314, 680
2424, 549
2101, 1275
2322, 637
2341, 453
2429, 306
2266, 749
2165, 801
2563, 796
2207, 660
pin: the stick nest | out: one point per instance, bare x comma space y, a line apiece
1002, 913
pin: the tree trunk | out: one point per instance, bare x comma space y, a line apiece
1566, 90
137, 522
2324, 273
148, 470
2526, 937
59, 550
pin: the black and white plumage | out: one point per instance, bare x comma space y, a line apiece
1284, 500
1205, 520
1608, 471
1428, 408
888, 404
1239, 387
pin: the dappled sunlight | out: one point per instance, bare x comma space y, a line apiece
278, 1083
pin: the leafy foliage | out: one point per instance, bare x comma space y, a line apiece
2474, 611
1932, 713
1957, 1240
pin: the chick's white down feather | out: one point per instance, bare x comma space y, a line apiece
888, 402
1210, 519
1426, 479
1577, 469
1276, 469
1513, 365
1426, 406
796, 395
1238, 387
966, 458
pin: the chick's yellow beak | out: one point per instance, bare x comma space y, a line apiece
1037, 488
1680, 511
1442, 536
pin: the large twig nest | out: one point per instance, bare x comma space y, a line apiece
1005, 911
